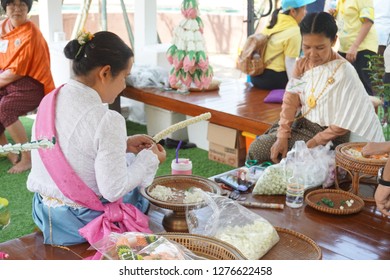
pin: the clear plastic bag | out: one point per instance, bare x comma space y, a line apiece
142, 246
272, 181
147, 76
315, 165
225, 219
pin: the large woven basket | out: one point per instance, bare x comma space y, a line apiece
206, 247
364, 165
293, 246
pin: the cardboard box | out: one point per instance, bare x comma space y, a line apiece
226, 145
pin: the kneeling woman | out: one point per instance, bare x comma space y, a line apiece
86, 186
323, 102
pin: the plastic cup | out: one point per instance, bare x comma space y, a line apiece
182, 167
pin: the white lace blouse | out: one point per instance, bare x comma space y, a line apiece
93, 139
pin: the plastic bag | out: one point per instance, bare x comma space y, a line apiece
315, 166
147, 76
272, 181
141, 246
225, 219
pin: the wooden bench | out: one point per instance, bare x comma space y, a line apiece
234, 105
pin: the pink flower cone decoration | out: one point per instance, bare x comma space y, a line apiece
190, 64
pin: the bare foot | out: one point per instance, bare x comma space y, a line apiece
20, 167
13, 158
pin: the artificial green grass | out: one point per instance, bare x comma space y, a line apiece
13, 186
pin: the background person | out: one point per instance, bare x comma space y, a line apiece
93, 141
358, 38
323, 102
284, 46
382, 23
25, 75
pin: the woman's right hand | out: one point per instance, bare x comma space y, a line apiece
160, 152
280, 147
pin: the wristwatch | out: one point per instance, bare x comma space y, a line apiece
380, 178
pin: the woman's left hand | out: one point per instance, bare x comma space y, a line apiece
138, 142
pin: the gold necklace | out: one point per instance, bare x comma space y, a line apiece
311, 99
329, 81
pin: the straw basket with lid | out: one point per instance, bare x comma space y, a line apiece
359, 168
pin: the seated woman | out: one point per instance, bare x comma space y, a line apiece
81, 183
284, 45
25, 75
323, 102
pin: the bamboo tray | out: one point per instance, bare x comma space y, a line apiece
206, 247
293, 246
337, 196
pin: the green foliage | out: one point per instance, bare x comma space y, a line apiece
381, 90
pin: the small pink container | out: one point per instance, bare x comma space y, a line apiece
182, 167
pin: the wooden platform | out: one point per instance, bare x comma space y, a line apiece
361, 236
234, 105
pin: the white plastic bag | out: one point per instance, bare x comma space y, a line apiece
225, 219
142, 76
316, 165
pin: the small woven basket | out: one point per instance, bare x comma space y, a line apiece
337, 196
206, 247
367, 166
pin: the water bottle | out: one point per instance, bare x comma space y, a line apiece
295, 191
4, 213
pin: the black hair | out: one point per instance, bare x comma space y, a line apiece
105, 48
4, 3
274, 17
319, 23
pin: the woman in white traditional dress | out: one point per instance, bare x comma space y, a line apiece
324, 101
87, 185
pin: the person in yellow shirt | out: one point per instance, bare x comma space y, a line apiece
284, 46
358, 38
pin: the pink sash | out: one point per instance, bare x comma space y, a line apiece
117, 216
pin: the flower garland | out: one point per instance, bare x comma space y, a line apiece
180, 125
187, 54
17, 148
82, 38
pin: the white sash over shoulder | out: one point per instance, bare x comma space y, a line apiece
343, 103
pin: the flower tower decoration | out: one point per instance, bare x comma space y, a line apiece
187, 55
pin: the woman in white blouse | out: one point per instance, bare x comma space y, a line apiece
93, 141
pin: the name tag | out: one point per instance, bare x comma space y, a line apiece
3, 46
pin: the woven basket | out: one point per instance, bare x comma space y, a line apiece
206, 247
364, 165
337, 196
293, 246
181, 183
